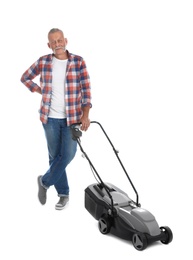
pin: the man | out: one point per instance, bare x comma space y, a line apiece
66, 99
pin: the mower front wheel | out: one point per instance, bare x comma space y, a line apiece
169, 235
139, 241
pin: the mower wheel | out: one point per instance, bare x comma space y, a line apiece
139, 241
104, 224
169, 235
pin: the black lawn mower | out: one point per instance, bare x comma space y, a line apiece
115, 211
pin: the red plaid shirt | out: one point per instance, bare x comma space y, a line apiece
77, 86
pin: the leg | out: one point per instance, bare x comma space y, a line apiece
53, 138
62, 149
68, 151
52, 132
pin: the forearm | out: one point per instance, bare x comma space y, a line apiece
85, 111
85, 121
29, 75
32, 86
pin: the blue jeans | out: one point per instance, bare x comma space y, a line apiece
62, 149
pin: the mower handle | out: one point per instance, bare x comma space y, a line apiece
75, 131
76, 134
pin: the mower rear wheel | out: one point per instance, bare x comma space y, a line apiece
104, 224
169, 234
139, 241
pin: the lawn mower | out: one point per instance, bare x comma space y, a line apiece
115, 211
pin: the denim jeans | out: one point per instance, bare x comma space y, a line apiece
62, 149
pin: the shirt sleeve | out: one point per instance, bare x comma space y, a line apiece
29, 75
85, 85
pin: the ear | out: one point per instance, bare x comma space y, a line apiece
49, 45
66, 41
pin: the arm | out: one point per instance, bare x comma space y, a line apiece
86, 97
85, 118
29, 75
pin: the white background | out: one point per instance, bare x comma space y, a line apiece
140, 58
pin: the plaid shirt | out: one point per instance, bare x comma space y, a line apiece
77, 87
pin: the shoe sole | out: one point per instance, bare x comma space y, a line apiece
60, 207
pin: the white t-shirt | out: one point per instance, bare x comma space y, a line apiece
57, 108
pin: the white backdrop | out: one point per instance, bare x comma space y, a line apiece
139, 55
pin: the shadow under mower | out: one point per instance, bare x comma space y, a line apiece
116, 212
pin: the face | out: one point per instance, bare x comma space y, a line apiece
57, 42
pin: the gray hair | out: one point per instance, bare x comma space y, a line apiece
53, 30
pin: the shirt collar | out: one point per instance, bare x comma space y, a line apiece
68, 54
